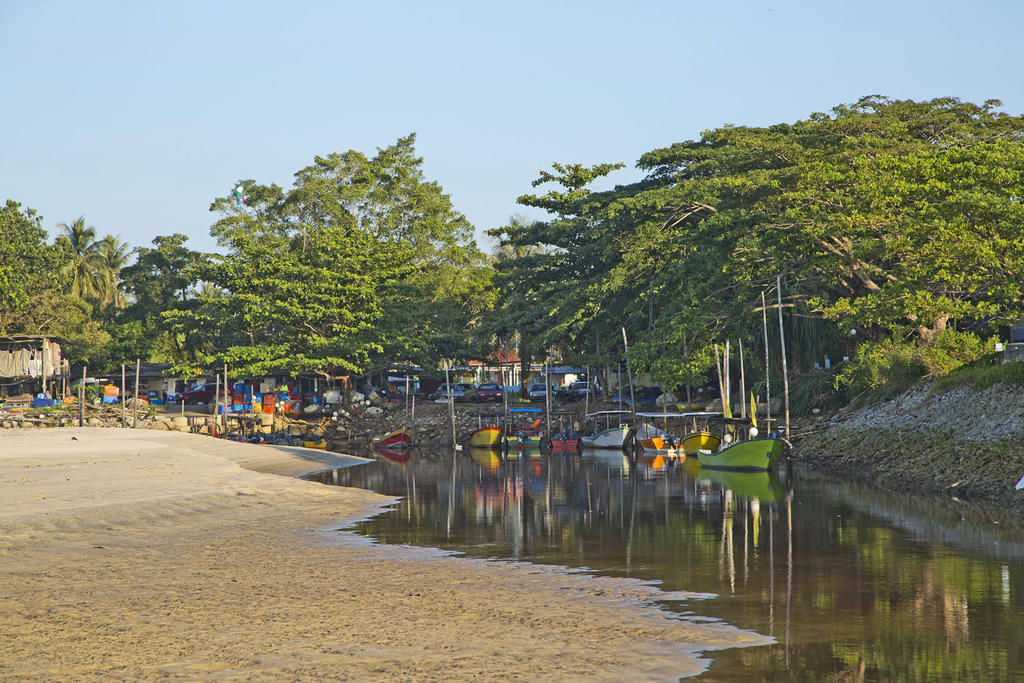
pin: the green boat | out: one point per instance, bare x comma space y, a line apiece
752, 455
523, 440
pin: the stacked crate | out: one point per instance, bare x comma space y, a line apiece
241, 398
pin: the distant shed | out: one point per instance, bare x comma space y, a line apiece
27, 360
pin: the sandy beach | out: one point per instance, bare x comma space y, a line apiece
150, 555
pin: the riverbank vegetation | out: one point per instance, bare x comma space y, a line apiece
896, 228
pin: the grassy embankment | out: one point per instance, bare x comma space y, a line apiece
960, 435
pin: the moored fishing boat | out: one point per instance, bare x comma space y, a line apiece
611, 436
752, 455
486, 437
528, 435
692, 425
524, 438
400, 438
565, 439
700, 440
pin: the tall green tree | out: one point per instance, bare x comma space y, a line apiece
886, 216
29, 269
84, 262
112, 255
363, 261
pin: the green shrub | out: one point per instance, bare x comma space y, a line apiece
982, 374
883, 369
952, 350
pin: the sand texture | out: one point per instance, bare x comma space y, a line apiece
130, 555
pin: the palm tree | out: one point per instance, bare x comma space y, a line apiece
112, 255
80, 243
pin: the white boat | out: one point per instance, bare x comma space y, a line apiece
612, 436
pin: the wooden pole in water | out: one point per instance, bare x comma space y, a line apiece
216, 399
42, 366
767, 372
586, 401
227, 398
721, 385
451, 403
135, 412
618, 378
547, 397
504, 394
743, 385
407, 396
81, 401
726, 358
629, 373
782, 342
124, 395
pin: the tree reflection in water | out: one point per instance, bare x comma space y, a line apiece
874, 585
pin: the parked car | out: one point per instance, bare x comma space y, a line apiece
489, 392
576, 391
458, 393
468, 391
201, 395
537, 391
645, 396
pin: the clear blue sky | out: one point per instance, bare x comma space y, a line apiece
136, 114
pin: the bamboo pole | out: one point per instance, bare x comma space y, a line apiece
586, 401
135, 412
227, 398
504, 394
42, 365
726, 357
618, 378
547, 398
629, 373
743, 385
782, 342
767, 372
124, 395
451, 400
81, 399
721, 385
216, 399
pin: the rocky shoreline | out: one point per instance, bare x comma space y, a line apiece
965, 444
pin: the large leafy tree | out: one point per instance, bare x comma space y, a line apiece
886, 216
882, 214
34, 284
363, 260
29, 269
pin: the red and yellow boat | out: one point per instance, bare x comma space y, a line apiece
398, 439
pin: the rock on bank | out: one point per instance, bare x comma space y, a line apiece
965, 442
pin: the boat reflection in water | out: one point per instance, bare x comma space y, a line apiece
486, 457
398, 456
852, 582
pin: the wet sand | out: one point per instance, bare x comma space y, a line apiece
136, 554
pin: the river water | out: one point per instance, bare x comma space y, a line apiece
854, 582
